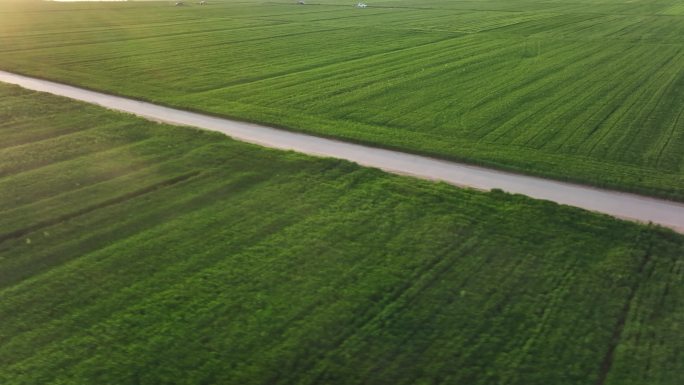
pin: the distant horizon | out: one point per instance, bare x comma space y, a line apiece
78, 1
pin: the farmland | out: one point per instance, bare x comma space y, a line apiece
587, 91
139, 253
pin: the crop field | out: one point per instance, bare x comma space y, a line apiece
590, 91
139, 253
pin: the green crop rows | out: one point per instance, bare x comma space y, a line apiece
138, 253
591, 91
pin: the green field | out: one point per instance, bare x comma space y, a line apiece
591, 91
137, 253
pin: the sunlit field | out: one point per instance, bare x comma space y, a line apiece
591, 91
138, 253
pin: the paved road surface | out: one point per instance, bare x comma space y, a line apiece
622, 205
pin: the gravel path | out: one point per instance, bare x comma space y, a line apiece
618, 204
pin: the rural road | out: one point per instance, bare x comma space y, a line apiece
623, 205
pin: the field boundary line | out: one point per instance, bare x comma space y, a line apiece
615, 203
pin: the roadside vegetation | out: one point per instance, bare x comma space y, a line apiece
138, 253
590, 91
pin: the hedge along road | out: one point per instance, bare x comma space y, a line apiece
623, 205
